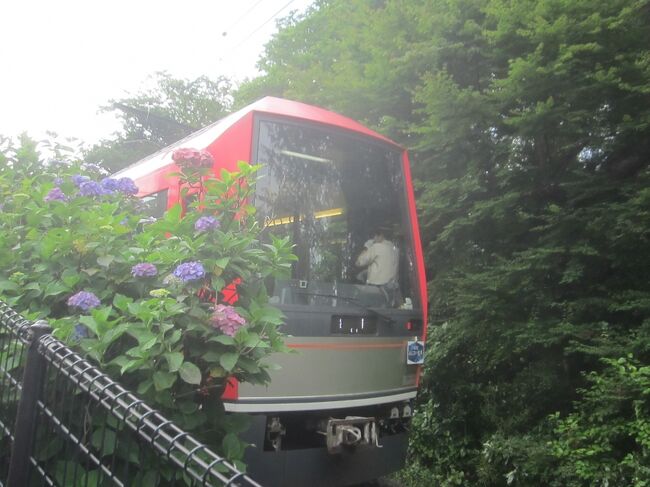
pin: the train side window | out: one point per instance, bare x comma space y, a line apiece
155, 204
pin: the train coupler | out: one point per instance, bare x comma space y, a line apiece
353, 431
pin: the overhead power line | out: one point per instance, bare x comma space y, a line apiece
241, 17
147, 116
262, 25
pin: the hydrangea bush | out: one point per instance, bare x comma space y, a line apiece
143, 297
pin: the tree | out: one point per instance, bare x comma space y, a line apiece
156, 117
346, 56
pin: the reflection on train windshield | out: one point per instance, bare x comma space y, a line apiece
341, 201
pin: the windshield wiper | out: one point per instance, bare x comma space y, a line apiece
388, 318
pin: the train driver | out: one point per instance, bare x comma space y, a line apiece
380, 257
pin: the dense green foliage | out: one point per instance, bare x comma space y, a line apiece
529, 125
143, 298
165, 112
591, 442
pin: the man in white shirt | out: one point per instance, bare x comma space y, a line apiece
381, 258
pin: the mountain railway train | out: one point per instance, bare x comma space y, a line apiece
337, 412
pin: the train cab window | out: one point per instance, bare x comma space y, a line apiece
330, 192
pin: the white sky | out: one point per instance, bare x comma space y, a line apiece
62, 59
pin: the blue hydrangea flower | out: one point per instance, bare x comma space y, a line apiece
79, 332
55, 194
189, 271
126, 186
144, 270
206, 223
91, 188
58, 181
79, 179
84, 300
109, 185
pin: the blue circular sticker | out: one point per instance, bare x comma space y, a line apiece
415, 352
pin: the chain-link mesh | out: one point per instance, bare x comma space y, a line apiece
89, 430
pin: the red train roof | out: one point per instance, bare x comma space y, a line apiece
268, 105
296, 109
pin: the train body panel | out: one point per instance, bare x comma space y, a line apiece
329, 370
337, 410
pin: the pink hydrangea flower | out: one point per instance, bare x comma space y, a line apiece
192, 158
226, 319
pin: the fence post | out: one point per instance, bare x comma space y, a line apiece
25, 426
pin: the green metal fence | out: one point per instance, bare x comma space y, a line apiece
65, 423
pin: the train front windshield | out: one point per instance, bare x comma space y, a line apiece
335, 194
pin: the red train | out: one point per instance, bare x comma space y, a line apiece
337, 413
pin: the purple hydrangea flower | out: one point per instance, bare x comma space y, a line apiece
206, 223
58, 181
79, 179
127, 186
109, 186
144, 270
226, 319
84, 300
55, 194
91, 188
189, 271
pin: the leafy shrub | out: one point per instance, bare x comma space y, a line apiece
606, 440
144, 298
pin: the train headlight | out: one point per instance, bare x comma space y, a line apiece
407, 411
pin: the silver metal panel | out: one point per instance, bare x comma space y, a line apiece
325, 367
338, 403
